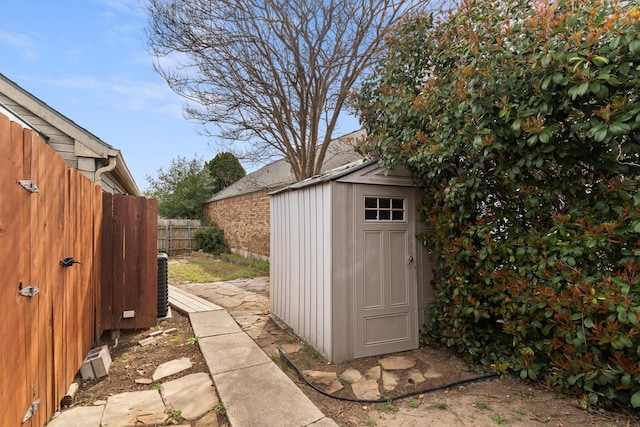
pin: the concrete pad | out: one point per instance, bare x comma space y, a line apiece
274, 399
171, 367
211, 323
193, 395
225, 353
125, 409
80, 416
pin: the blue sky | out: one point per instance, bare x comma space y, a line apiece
88, 60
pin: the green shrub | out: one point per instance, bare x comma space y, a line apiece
211, 239
521, 123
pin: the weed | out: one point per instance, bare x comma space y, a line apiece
157, 387
343, 380
481, 405
175, 414
414, 404
174, 340
370, 422
387, 408
499, 419
280, 362
441, 406
220, 409
192, 340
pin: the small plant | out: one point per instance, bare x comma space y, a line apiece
370, 422
342, 380
157, 386
481, 405
414, 404
175, 414
441, 406
220, 409
387, 408
499, 419
192, 340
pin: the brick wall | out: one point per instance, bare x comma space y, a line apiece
245, 221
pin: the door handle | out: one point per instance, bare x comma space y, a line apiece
410, 259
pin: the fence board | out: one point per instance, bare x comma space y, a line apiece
14, 244
129, 280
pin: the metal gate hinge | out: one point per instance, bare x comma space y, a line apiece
29, 291
32, 410
30, 185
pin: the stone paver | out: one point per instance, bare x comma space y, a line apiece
129, 409
373, 373
352, 375
415, 377
171, 367
392, 363
193, 395
389, 380
80, 416
327, 381
366, 390
263, 395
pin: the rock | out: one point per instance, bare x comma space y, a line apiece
373, 373
146, 381
291, 348
366, 390
328, 380
171, 368
389, 381
209, 420
193, 395
430, 373
148, 341
415, 377
352, 375
393, 363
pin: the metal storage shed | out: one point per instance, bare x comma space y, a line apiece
348, 273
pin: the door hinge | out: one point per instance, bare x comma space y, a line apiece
32, 410
30, 185
29, 291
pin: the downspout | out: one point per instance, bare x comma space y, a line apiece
111, 166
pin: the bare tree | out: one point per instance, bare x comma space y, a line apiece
273, 73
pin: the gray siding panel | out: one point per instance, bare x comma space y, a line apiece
301, 263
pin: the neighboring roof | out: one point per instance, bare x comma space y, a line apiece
279, 173
97, 147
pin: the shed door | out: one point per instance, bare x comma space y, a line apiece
385, 272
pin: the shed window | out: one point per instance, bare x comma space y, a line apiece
383, 209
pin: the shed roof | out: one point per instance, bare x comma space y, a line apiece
279, 174
93, 145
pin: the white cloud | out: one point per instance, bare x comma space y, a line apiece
20, 42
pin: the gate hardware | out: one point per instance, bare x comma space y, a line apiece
68, 262
29, 185
32, 410
29, 291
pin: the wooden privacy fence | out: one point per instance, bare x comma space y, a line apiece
52, 256
177, 236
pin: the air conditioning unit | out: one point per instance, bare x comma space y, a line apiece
163, 285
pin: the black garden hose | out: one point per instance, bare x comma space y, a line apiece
283, 355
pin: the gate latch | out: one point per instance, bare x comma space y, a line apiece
69, 261
29, 291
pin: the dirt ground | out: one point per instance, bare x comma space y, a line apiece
131, 361
492, 402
